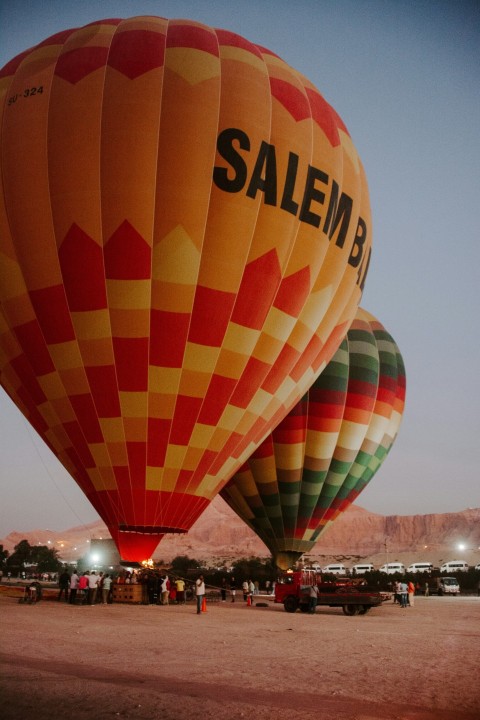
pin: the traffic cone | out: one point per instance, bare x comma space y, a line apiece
204, 605
249, 600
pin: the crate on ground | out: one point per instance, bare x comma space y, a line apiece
128, 593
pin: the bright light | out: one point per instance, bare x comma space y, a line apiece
95, 558
147, 563
461, 546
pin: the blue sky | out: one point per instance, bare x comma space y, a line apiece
405, 78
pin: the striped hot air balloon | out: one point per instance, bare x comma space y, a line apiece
185, 234
326, 450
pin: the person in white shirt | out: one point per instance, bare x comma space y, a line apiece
73, 587
200, 593
107, 584
93, 579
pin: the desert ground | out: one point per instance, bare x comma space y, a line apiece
141, 662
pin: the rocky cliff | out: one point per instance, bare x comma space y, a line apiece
219, 536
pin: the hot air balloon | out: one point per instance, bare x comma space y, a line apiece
185, 235
321, 456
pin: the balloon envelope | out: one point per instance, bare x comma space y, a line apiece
185, 234
321, 456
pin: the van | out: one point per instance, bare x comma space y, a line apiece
454, 566
393, 567
362, 569
420, 567
335, 569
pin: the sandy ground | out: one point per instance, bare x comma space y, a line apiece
234, 661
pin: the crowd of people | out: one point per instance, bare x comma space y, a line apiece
87, 588
157, 587
404, 593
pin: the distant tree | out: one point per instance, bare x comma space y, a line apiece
46, 559
3, 556
254, 568
21, 556
182, 563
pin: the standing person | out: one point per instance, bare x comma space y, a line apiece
223, 590
63, 584
427, 590
245, 590
180, 585
313, 593
73, 586
411, 593
83, 587
100, 579
233, 588
200, 593
93, 580
106, 586
164, 589
403, 590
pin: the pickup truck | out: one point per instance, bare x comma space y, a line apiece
352, 595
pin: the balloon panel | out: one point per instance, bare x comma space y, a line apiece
318, 459
185, 235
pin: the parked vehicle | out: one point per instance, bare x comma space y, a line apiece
353, 596
420, 567
443, 586
335, 569
392, 568
454, 566
362, 569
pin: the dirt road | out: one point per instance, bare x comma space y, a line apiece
234, 661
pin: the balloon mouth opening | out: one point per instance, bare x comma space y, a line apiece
150, 529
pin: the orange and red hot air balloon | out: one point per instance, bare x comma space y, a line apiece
185, 234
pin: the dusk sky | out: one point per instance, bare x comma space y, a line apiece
405, 78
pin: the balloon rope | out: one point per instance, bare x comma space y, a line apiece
47, 470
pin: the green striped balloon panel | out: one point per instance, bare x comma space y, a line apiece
320, 457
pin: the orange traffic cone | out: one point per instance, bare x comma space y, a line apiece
249, 600
204, 605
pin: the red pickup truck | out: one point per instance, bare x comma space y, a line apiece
352, 595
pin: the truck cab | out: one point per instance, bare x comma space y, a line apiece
444, 586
